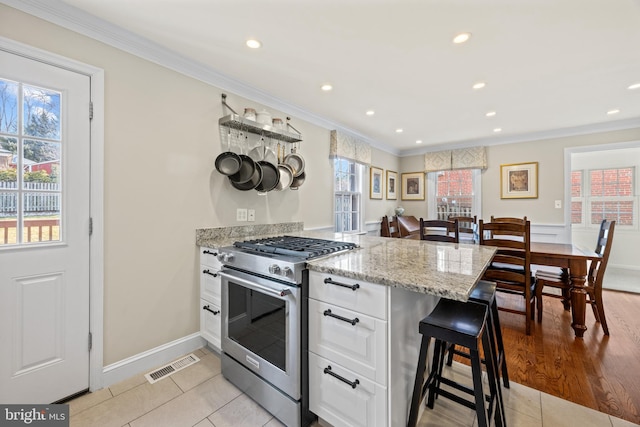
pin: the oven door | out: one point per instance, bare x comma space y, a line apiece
261, 328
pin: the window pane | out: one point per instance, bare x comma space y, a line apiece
8, 106
576, 212
454, 193
8, 176
41, 112
8, 218
576, 183
41, 164
41, 229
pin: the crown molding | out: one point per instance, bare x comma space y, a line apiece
611, 126
79, 21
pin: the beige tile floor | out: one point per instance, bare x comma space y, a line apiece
199, 396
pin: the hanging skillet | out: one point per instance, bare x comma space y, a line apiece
252, 183
270, 177
246, 172
296, 161
228, 163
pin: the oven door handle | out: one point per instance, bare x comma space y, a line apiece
278, 293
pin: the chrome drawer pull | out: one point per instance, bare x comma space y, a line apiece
344, 319
344, 285
216, 312
210, 273
353, 384
208, 252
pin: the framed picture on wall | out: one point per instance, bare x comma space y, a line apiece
375, 183
519, 181
413, 186
392, 185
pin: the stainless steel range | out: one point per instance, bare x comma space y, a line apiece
264, 320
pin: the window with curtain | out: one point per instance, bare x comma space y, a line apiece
598, 194
347, 195
454, 193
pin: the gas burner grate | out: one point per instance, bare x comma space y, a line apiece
302, 247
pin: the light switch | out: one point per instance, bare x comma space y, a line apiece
558, 204
251, 215
241, 215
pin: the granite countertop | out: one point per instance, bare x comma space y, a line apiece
442, 269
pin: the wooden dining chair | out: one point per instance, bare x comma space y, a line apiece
466, 224
389, 227
593, 285
510, 268
437, 230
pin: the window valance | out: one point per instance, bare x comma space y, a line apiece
348, 147
463, 158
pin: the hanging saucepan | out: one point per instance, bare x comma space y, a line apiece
296, 162
252, 183
270, 177
286, 177
246, 172
228, 163
297, 181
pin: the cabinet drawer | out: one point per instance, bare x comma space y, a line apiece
208, 257
368, 298
210, 318
359, 346
210, 284
338, 402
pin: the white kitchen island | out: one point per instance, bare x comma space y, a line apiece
363, 343
362, 372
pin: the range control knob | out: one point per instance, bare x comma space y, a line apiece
225, 258
287, 272
274, 269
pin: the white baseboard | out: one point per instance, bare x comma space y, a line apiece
147, 360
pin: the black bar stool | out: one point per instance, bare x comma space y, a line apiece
485, 293
464, 324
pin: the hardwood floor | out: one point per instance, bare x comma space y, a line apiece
598, 371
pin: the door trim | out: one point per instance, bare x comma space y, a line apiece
96, 243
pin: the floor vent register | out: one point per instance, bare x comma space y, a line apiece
171, 368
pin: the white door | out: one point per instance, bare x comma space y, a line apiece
44, 231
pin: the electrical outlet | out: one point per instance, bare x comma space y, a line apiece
241, 215
558, 204
251, 215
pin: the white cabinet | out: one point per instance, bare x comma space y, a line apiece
347, 350
210, 297
340, 403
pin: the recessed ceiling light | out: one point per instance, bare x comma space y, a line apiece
254, 44
461, 38
326, 87
479, 85
490, 114
634, 86
370, 113
399, 130
611, 112
497, 130
419, 141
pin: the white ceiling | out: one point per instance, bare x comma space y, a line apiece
549, 65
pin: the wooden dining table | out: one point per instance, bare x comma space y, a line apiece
575, 259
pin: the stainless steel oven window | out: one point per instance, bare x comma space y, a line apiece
257, 322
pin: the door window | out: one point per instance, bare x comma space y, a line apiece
30, 164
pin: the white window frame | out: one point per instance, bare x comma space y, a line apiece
582, 199
476, 202
587, 200
358, 176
